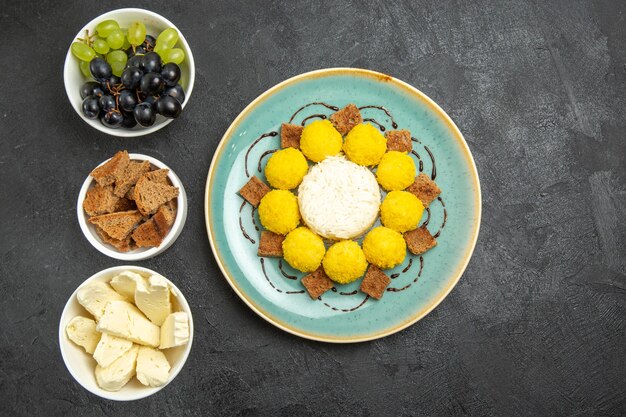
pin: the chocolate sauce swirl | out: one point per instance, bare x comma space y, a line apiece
433, 175
387, 112
263, 155
243, 230
272, 284
445, 218
315, 103
313, 116
253, 219
380, 126
282, 271
334, 289
421, 167
345, 310
419, 274
396, 275
263, 136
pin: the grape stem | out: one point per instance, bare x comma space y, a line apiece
88, 38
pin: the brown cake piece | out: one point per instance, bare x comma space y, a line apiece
100, 200
317, 283
123, 245
271, 244
419, 240
129, 177
150, 195
158, 175
424, 188
154, 230
290, 135
345, 119
254, 191
399, 140
375, 282
112, 169
117, 225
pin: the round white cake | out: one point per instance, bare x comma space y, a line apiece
339, 199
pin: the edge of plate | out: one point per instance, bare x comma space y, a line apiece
383, 78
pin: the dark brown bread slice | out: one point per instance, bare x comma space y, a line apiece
147, 234
290, 135
424, 188
375, 282
254, 191
419, 240
124, 204
153, 231
150, 195
158, 175
124, 245
112, 169
271, 244
117, 225
345, 119
100, 200
131, 174
399, 140
131, 193
317, 283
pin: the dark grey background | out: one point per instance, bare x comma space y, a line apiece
536, 326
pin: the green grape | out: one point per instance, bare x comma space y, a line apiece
126, 44
168, 38
100, 46
117, 56
116, 39
160, 49
82, 51
105, 27
118, 68
175, 55
84, 68
136, 33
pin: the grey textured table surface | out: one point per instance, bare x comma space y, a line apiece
536, 326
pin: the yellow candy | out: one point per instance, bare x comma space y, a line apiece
286, 168
344, 262
401, 211
319, 140
303, 249
384, 247
279, 211
396, 171
365, 145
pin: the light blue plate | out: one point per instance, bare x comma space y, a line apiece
338, 317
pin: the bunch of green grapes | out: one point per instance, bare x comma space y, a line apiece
116, 45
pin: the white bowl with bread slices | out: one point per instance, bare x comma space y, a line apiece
132, 207
125, 333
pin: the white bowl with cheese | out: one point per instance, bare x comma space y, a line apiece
82, 365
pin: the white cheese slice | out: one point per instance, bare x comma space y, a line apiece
110, 348
122, 319
95, 296
125, 284
116, 375
82, 331
154, 299
153, 369
175, 330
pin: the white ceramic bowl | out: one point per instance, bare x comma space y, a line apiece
155, 23
89, 230
82, 365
